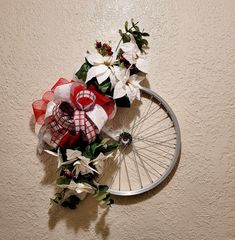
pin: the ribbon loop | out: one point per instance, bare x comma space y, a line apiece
85, 100
71, 119
63, 115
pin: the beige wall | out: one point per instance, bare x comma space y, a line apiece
192, 68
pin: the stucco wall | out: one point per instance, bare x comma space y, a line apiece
192, 67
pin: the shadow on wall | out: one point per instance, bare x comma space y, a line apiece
87, 211
81, 218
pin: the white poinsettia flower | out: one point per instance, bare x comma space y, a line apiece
128, 85
72, 156
82, 166
98, 162
102, 66
78, 187
133, 55
80, 163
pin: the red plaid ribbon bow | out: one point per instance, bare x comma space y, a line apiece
67, 118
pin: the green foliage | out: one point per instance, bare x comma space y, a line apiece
105, 86
134, 30
82, 72
57, 197
102, 195
125, 37
93, 149
71, 202
63, 181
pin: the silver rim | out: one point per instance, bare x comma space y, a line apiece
146, 156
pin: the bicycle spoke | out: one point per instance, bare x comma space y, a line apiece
128, 178
155, 133
144, 114
146, 170
152, 141
146, 117
155, 147
137, 169
164, 165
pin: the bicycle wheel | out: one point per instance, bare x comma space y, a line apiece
149, 146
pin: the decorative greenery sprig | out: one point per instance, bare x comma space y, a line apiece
138, 35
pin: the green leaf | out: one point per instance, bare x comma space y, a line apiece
136, 28
126, 26
82, 72
145, 42
107, 197
145, 34
104, 86
110, 202
103, 188
62, 180
93, 148
126, 37
87, 153
101, 196
105, 140
111, 147
120, 32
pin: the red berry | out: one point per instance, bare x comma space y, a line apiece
98, 44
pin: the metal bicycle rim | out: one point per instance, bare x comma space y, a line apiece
165, 107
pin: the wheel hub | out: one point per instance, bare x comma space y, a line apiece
125, 138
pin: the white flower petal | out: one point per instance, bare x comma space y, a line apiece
91, 169
113, 79
135, 80
138, 94
84, 187
127, 47
131, 92
98, 162
114, 57
68, 162
122, 74
73, 153
129, 57
95, 71
95, 58
119, 90
54, 154
107, 59
101, 78
142, 65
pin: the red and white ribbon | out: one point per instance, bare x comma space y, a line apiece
70, 110
67, 118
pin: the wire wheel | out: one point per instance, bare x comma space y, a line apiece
149, 146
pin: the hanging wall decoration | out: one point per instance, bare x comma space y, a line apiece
108, 133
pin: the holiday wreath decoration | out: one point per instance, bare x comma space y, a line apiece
80, 127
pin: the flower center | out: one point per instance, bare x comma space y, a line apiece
107, 63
